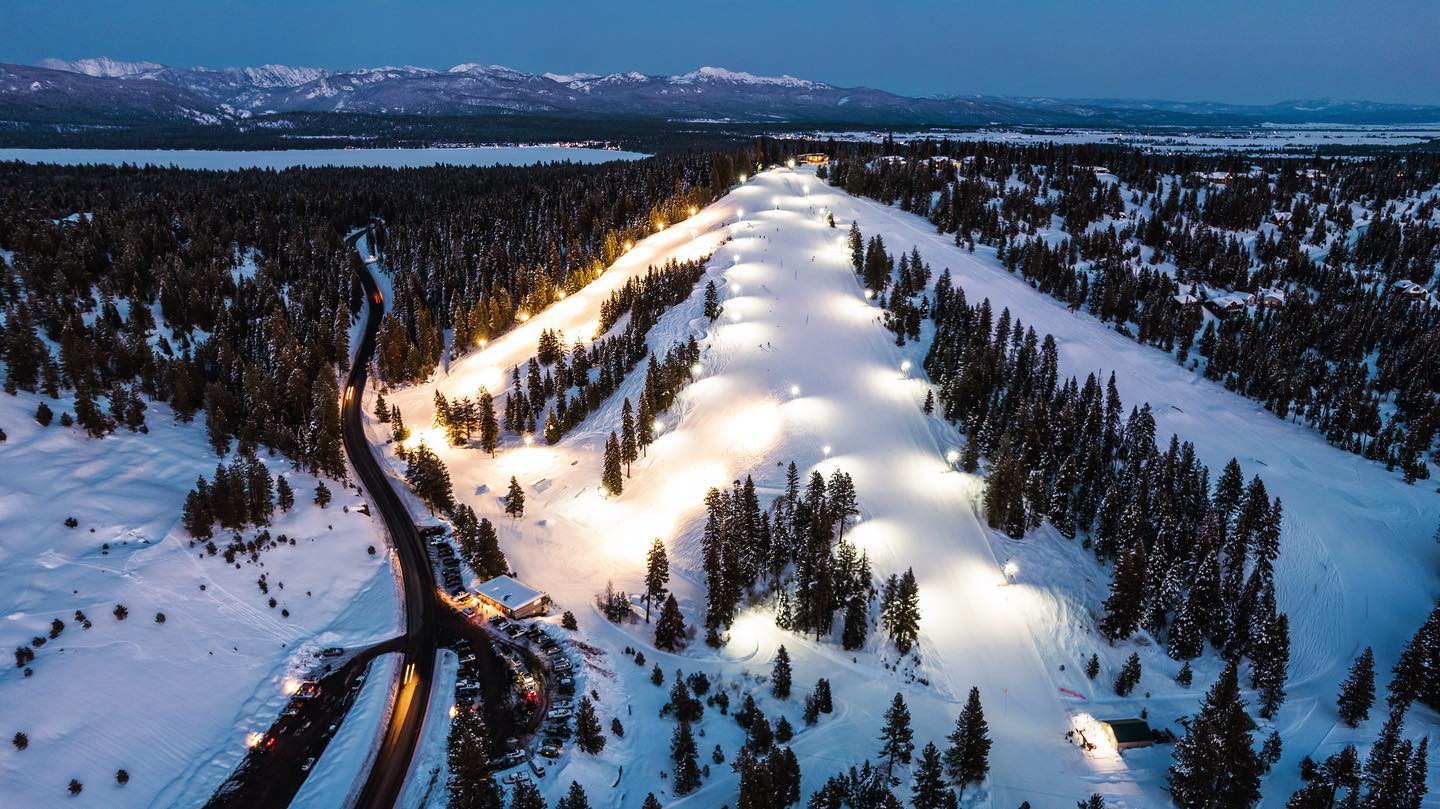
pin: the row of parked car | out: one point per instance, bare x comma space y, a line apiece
556, 729
444, 553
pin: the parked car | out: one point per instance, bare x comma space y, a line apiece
562, 665
536, 768
550, 751
499, 622
333, 651
558, 713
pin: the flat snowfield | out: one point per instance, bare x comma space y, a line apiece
798, 368
171, 703
223, 160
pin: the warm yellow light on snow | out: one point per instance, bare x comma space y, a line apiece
694, 210
253, 739
524, 316
290, 686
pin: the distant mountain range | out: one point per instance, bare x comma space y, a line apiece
101, 92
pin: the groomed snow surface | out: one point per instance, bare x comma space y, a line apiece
798, 368
172, 703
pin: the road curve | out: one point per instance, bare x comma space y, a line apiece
412, 697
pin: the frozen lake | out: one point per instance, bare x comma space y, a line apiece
290, 158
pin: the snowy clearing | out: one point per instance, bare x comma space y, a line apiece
174, 702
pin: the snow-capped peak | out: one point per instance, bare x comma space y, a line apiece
281, 75
567, 78
499, 71
720, 74
101, 67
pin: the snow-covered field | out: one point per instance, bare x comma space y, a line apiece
798, 368
171, 703
222, 160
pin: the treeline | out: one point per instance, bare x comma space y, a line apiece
485, 253
235, 292
663, 381
1347, 352
796, 553
1191, 564
580, 381
239, 495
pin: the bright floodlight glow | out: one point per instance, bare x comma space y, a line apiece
629, 244
562, 295
754, 428
290, 686
529, 440
826, 449
1011, 569
524, 316
694, 210
454, 710
742, 178
869, 294
790, 162
737, 289
905, 365
604, 491
253, 739
483, 343
952, 456
658, 425
794, 390
777, 202
696, 369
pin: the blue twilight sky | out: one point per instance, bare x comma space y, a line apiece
1250, 51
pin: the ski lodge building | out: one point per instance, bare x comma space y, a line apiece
511, 598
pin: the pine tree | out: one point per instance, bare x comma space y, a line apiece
470, 784
657, 575
322, 494
588, 735
928, 791
629, 449
1129, 676
526, 795
683, 757
823, 698
900, 612
1126, 602
650, 802
712, 301
897, 740
611, 479
575, 798
1357, 693
857, 621
284, 495
489, 426
515, 499
670, 628
1092, 666
1215, 760
967, 760
780, 674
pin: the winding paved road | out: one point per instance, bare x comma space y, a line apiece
412, 697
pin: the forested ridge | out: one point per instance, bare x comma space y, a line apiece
235, 292
1305, 284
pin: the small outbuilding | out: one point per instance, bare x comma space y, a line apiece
813, 158
1127, 734
511, 597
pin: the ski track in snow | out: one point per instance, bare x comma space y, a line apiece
1356, 566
